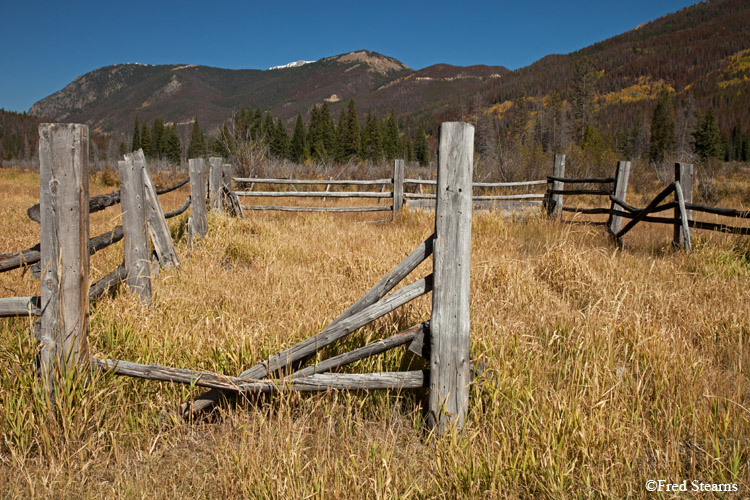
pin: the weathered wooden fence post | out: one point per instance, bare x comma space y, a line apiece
133, 204
156, 223
621, 190
449, 323
398, 186
226, 175
555, 201
64, 202
683, 174
215, 174
198, 196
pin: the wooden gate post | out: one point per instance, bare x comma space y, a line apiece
226, 175
555, 201
398, 186
621, 190
449, 323
133, 204
683, 173
215, 174
198, 196
64, 202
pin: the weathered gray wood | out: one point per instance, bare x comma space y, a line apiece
279, 208
362, 312
374, 182
197, 168
19, 306
226, 175
581, 180
555, 201
450, 323
621, 190
499, 197
314, 194
215, 173
161, 238
64, 195
398, 187
420, 182
683, 173
509, 184
684, 221
314, 383
137, 254
361, 353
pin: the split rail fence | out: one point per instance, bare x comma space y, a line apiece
64, 301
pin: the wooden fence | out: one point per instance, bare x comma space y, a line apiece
64, 302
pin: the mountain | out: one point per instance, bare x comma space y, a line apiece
110, 98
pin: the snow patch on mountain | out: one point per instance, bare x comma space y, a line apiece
294, 64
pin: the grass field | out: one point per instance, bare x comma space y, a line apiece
606, 367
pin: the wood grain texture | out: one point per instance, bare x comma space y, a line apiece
374, 182
313, 383
281, 208
197, 167
20, 306
683, 174
450, 323
314, 194
398, 187
215, 174
64, 196
684, 221
137, 254
555, 201
161, 238
622, 175
373, 349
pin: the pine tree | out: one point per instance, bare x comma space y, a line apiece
172, 148
582, 97
136, 136
350, 139
279, 140
421, 148
708, 137
662, 140
123, 148
328, 129
297, 147
197, 145
391, 142
146, 144
157, 139
372, 143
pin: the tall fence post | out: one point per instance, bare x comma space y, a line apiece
197, 168
133, 204
226, 175
621, 191
555, 201
64, 203
215, 174
398, 186
683, 173
449, 323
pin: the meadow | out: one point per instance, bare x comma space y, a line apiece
606, 367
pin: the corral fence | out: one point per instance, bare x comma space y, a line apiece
65, 298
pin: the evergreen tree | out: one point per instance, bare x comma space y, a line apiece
372, 143
297, 147
279, 140
197, 145
350, 139
157, 139
172, 147
136, 136
662, 140
391, 142
421, 148
328, 129
146, 141
708, 137
582, 98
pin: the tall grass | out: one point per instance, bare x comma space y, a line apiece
606, 367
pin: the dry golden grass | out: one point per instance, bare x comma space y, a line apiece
607, 367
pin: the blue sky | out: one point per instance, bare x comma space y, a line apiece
46, 44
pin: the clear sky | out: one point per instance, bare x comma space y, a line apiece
46, 44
